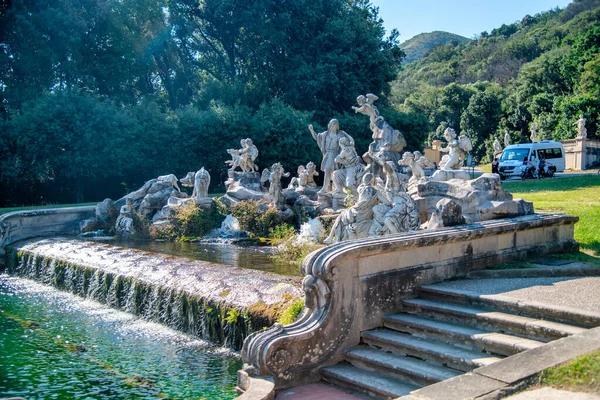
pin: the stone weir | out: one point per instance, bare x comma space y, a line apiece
219, 303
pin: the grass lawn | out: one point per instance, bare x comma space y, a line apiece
577, 196
581, 374
11, 209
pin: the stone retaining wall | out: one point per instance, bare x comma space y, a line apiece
20, 225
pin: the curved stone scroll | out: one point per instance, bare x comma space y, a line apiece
293, 353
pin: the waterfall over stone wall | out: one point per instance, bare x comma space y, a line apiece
218, 303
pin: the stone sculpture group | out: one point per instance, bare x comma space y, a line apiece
384, 191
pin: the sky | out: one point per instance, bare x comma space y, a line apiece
463, 17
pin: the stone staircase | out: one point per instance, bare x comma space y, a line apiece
444, 333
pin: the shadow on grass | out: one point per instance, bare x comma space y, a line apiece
588, 253
553, 184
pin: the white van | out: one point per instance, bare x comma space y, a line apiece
512, 157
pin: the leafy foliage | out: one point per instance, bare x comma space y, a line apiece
254, 220
191, 221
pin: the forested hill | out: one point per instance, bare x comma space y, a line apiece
543, 70
418, 46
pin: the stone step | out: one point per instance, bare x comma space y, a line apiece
550, 312
529, 327
409, 369
372, 383
458, 335
432, 351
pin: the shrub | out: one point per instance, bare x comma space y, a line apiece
191, 221
282, 232
256, 222
293, 250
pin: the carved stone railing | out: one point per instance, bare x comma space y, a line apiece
19, 225
350, 285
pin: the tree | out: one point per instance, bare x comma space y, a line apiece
480, 120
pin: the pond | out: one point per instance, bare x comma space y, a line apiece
54, 345
253, 257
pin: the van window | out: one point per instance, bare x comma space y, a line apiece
550, 153
514, 154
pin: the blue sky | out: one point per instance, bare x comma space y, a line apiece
463, 17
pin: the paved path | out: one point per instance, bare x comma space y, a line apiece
580, 292
552, 394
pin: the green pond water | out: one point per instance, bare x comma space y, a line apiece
252, 257
54, 345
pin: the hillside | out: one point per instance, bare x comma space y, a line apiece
418, 46
542, 71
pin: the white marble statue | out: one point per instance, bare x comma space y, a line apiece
409, 159
301, 180
347, 176
305, 177
456, 150
506, 138
273, 176
355, 222
367, 107
328, 142
497, 146
423, 161
581, 129
311, 172
380, 210
244, 157
533, 136
200, 181
172, 179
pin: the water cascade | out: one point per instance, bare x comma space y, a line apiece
218, 303
311, 231
229, 230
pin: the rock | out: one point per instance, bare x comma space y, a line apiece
204, 203
241, 193
89, 225
228, 201
106, 213
448, 213
163, 214
445, 175
481, 199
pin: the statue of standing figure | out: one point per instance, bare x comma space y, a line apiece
533, 136
581, 129
506, 138
328, 142
274, 176
497, 146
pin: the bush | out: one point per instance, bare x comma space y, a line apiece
282, 232
293, 250
256, 222
190, 221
